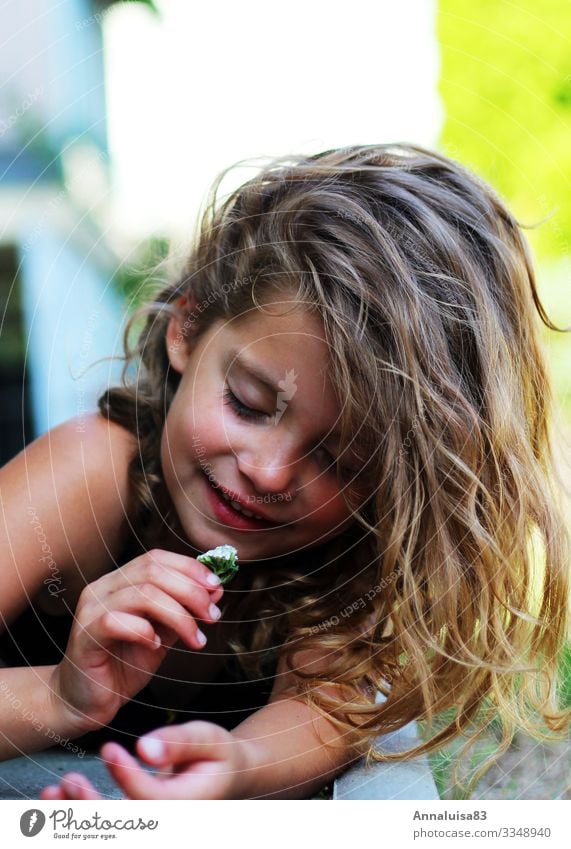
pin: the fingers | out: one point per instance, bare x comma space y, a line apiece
73, 785
136, 782
191, 741
171, 589
158, 561
131, 629
52, 791
199, 781
217, 594
189, 565
78, 786
150, 602
182, 587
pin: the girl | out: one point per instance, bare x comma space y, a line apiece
345, 382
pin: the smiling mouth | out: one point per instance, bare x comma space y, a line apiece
242, 514
240, 509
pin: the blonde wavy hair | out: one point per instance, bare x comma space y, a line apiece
449, 595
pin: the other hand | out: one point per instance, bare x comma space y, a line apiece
196, 760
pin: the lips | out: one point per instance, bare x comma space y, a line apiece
221, 501
238, 506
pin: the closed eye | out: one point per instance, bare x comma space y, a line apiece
240, 409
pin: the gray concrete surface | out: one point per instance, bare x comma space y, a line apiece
25, 777
397, 780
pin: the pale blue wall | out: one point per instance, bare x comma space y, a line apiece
53, 49
73, 317
77, 65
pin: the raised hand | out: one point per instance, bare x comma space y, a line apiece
124, 624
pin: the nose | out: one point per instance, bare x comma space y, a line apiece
273, 466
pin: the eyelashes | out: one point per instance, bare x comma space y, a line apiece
240, 409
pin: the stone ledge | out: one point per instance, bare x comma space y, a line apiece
411, 779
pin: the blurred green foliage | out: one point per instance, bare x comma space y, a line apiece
144, 274
142, 277
505, 84
565, 682
443, 760
506, 88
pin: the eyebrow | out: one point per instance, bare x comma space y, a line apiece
254, 369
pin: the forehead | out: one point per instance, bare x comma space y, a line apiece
284, 325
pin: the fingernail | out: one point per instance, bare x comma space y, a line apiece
213, 579
201, 638
214, 612
153, 748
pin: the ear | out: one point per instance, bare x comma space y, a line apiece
178, 333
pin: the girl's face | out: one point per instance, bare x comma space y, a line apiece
253, 422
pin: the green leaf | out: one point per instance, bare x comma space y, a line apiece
223, 560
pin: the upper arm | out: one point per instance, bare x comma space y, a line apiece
63, 503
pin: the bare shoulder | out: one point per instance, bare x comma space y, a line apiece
65, 511
104, 450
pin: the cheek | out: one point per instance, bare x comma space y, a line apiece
200, 430
176, 439
330, 508
169, 452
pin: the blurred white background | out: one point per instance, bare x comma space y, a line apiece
205, 85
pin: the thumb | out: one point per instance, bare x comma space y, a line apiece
192, 741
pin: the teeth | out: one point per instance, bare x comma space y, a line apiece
239, 508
